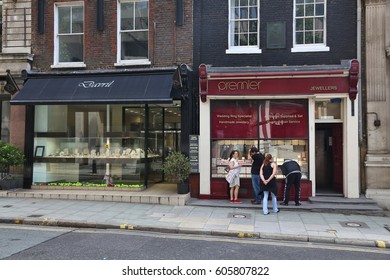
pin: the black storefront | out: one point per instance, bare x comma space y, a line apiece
86, 127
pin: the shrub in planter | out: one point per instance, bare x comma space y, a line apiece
9, 156
177, 166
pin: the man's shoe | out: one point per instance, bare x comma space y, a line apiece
283, 203
277, 211
298, 204
266, 213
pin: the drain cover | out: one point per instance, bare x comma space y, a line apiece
239, 216
354, 224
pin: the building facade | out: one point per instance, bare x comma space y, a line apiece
376, 89
108, 90
282, 77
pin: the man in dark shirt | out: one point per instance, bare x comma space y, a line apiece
257, 161
292, 171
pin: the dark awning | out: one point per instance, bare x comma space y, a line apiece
105, 89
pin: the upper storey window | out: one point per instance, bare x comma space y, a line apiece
309, 26
244, 26
69, 35
133, 37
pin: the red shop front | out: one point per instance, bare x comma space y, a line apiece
278, 112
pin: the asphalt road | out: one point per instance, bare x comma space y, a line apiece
22, 242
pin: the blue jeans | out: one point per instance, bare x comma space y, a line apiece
256, 187
265, 202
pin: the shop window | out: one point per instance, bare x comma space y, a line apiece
279, 127
5, 114
244, 22
309, 26
133, 32
69, 35
1, 25
327, 110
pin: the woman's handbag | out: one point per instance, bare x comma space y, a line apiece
230, 176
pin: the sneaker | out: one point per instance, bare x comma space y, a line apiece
283, 203
266, 213
277, 211
298, 204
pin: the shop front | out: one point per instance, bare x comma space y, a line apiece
111, 128
307, 114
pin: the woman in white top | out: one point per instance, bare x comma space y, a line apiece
235, 183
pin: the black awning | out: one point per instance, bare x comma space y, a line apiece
108, 89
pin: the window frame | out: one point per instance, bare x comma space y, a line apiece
242, 49
321, 47
140, 61
57, 63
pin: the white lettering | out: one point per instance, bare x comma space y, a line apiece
92, 84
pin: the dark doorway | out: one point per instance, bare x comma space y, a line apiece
329, 159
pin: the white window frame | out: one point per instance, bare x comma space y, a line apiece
310, 47
56, 63
120, 62
242, 49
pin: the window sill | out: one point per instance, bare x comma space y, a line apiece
69, 65
243, 51
133, 62
310, 48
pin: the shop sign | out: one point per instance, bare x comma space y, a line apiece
277, 85
194, 153
265, 119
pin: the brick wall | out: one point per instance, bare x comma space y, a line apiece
211, 35
168, 44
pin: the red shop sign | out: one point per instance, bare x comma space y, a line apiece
264, 119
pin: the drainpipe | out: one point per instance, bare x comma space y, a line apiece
362, 108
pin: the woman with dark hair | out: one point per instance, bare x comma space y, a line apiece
268, 183
235, 183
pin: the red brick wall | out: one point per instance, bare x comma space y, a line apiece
168, 44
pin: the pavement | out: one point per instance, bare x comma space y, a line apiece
227, 220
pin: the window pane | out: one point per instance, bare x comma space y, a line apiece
236, 36
309, 10
299, 24
300, 1
244, 13
253, 26
253, 39
243, 40
300, 11
309, 1
253, 12
77, 20
299, 37
309, 22
236, 27
319, 9
319, 24
64, 20
134, 45
243, 26
141, 15
236, 14
253, 2
244, 2
71, 48
309, 38
127, 16
319, 37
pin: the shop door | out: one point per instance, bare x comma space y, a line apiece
329, 159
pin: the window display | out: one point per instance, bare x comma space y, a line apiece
84, 143
278, 127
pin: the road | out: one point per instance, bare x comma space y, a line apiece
22, 242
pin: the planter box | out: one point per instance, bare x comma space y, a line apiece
86, 188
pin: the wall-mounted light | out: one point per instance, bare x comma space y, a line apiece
377, 122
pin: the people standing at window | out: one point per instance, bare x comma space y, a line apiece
268, 183
257, 160
235, 183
